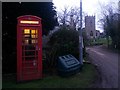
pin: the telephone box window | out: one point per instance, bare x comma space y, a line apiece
34, 41
29, 58
34, 36
33, 32
36, 31
26, 31
29, 47
26, 41
29, 53
26, 36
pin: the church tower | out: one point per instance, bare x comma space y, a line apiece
90, 27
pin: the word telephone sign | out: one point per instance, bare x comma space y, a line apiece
29, 48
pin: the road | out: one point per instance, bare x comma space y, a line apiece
107, 66
0, 72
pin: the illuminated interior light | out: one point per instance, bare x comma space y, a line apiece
26, 41
36, 31
33, 41
26, 36
36, 36
33, 31
33, 36
29, 22
26, 31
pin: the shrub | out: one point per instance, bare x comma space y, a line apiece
63, 42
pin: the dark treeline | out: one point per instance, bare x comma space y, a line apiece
10, 12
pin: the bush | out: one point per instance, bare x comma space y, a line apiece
63, 42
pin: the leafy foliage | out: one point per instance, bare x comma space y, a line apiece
111, 27
110, 23
63, 42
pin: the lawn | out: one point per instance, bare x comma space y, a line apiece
100, 41
103, 40
83, 79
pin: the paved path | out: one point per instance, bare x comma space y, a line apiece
107, 65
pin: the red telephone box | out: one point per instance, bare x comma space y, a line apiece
29, 48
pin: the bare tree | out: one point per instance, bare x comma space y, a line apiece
74, 15
110, 23
62, 16
70, 17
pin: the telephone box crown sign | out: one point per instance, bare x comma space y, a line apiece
29, 19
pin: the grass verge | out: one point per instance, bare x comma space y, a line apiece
83, 79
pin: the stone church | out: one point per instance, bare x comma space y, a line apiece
90, 29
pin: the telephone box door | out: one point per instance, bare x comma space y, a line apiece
31, 53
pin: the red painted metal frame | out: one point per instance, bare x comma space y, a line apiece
38, 75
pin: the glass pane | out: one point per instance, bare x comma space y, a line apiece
29, 53
29, 58
29, 47
26, 36
34, 41
36, 36
26, 41
33, 36
36, 53
26, 31
36, 31
22, 53
32, 31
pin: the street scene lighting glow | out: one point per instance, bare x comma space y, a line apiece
29, 22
